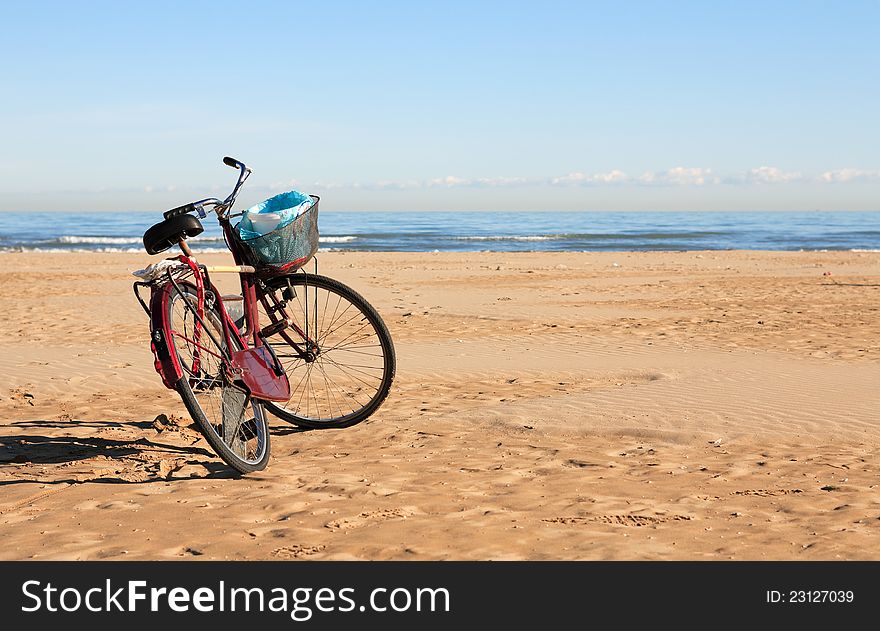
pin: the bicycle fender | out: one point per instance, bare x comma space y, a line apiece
164, 359
257, 369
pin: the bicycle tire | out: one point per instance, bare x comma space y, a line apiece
353, 317
221, 435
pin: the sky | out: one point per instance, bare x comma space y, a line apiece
443, 105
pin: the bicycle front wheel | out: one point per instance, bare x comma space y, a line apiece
336, 351
232, 422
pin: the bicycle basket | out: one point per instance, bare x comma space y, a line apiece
289, 247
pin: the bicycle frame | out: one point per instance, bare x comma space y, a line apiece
250, 295
255, 364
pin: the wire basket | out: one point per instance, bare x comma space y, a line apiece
288, 248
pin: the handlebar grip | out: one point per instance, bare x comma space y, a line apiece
180, 210
232, 162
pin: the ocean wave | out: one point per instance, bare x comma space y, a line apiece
83, 240
500, 231
109, 240
131, 250
536, 237
63, 250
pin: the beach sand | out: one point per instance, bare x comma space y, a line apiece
680, 405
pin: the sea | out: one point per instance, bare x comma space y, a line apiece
542, 231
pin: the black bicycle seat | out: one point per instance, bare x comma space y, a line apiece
171, 232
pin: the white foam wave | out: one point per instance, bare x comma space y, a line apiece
536, 237
64, 250
109, 240
347, 239
81, 240
137, 250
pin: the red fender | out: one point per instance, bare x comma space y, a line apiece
256, 366
164, 358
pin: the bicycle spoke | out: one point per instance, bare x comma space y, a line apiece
345, 350
346, 373
330, 394
350, 335
302, 391
355, 376
231, 418
335, 310
332, 331
334, 383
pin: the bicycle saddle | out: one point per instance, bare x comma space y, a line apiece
170, 232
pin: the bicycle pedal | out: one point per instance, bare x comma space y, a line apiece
275, 327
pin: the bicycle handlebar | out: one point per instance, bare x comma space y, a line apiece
180, 210
244, 172
198, 206
236, 164
193, 207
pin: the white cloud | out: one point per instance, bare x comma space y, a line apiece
450, 181
771, 175
676, 176
849, 175
611, 177
571, 178
284, 186
331, 186
385, 185
502, 181
680, 176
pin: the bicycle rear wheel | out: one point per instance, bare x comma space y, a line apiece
233, 423
337, 351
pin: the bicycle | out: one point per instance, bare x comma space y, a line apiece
290, 327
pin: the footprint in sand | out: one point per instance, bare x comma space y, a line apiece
296, 551
118, 505
580, 464
641, 520
619, 520
368, 517
32, 499
767, 492
110, 553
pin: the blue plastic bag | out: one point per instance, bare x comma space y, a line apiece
272, 214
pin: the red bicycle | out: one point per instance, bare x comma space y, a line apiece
232, 357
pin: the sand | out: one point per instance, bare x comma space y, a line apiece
682, 405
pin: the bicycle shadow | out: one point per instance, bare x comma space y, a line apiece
125, 455
286, 430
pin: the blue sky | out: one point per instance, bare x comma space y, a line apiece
443, 106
